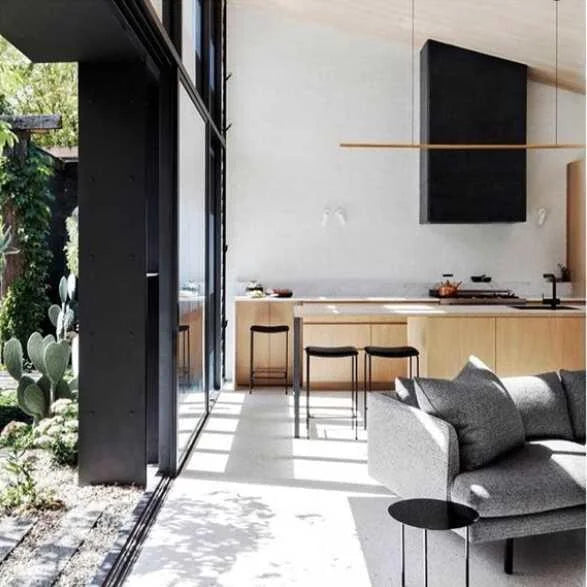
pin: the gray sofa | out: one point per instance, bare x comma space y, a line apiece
537, 488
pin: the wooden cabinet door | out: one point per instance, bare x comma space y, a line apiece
446, 343
281, 312
570, 334
248, 313
334, 373
531, 345
384, 371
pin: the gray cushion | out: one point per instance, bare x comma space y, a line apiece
543, 475
542, 403
574, 384
483, 414
406, 391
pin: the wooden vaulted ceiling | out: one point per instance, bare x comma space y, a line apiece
520, 30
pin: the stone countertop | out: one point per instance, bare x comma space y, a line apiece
339, 300
379, 300
414, 309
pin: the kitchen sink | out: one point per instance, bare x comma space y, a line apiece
539, 307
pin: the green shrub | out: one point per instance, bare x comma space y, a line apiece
22, 492
9, 410
15, 433
24, 190
59, 434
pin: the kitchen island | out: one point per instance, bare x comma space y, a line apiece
510, 340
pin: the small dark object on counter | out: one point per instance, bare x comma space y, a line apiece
254, 286
280, 292
481, 278
565, 273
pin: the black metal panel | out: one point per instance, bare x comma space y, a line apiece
468, 97
66, 30
168, 288
114, 126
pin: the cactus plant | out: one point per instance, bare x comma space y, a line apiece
63, 317
50, 358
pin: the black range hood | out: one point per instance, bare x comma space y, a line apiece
471, 98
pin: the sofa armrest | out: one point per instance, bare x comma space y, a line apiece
410, 452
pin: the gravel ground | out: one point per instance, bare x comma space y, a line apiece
118, 503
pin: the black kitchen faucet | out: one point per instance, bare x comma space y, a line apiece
554, 301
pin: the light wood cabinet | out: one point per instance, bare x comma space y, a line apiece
576, 225
446, 343
281, 312
530, 345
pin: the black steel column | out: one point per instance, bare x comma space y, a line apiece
113, 183
168, 278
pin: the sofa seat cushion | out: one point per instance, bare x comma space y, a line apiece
541, 476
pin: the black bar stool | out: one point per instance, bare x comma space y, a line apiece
386, 352
335, 352
184, 332
266, 373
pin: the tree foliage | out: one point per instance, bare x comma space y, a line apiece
40, 88
24, 189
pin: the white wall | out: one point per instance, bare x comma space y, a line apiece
296, 91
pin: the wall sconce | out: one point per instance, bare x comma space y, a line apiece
325, 216
340, 213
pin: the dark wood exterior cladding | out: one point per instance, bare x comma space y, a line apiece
468, 97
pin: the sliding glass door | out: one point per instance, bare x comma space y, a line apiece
192, 392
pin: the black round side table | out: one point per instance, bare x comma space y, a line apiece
432, 514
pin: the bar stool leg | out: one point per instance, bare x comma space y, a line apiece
370, 387
251, 372
425, 558
467, 557
403, 549
189, 373
410, 360
307, 396
417, 365
353, 392
286, 358
356, 390
365, 390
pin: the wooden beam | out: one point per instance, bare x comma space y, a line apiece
34, 122
463, 147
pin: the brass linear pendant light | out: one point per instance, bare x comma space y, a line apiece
472, 147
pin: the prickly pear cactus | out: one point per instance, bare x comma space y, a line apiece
63, 317
34, 349
50, 358
33, 400
13, 358
53, 313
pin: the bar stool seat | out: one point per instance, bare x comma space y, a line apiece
332, 351
392, 352
269, 329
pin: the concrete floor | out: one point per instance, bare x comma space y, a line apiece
254, 507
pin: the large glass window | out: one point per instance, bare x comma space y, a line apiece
188, 36
191, 391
